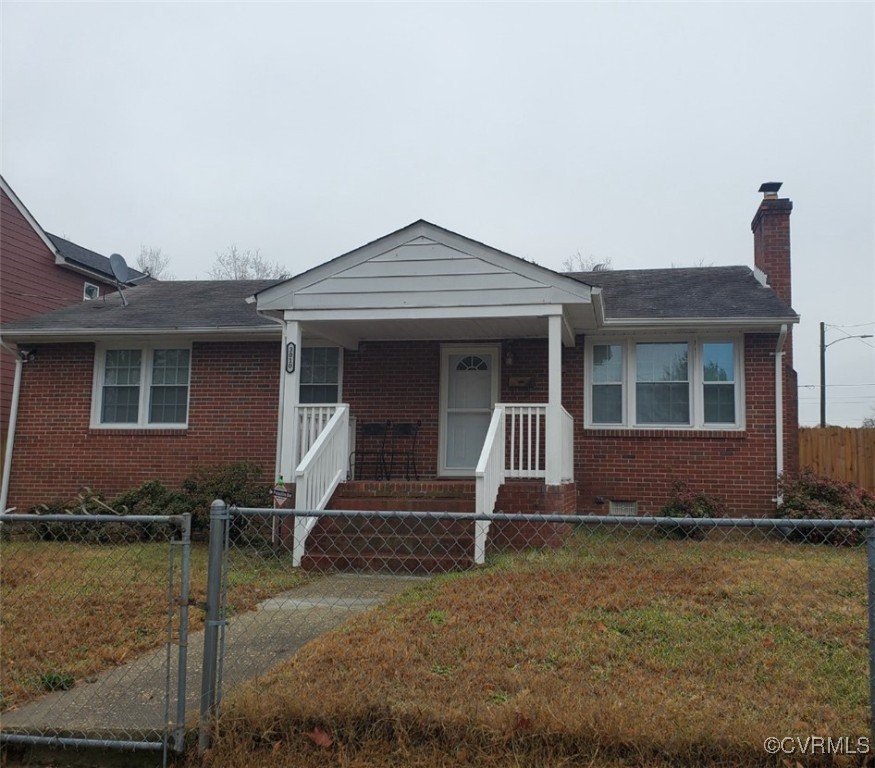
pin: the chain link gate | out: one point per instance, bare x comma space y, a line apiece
95, 623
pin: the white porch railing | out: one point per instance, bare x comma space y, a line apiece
311, 421
566, 432
527, 441
526, 437
322, 469
489, 477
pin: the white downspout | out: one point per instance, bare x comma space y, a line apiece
779, 407
20, 358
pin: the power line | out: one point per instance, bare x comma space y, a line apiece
858, 325
817, 386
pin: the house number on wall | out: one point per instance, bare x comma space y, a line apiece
290, 357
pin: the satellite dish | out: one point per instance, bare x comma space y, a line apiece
119, 268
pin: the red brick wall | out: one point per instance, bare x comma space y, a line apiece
232, 417
30, 283
642, 465
399, 382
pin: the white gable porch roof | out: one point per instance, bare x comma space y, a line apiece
426, 282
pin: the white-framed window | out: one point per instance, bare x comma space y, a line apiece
90, 291
141, 386
664, 383
320, 375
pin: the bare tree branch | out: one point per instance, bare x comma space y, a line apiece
234, 264
580, 263
154, 263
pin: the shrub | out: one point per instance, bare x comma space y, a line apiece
239, 484
684, 502
86, 502
812, 497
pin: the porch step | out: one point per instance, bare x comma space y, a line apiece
405, 496
395, 545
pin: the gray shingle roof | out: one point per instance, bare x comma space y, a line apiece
159, 305
705, 292
698, 292
87, 258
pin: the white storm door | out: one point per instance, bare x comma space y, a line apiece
469, 389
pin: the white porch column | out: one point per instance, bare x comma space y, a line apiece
291, 358
554, 400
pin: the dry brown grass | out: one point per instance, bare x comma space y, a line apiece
72, 610
609, 653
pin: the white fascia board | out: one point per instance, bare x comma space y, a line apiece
425, 313
711, 323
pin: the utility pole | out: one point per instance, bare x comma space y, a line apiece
823, 346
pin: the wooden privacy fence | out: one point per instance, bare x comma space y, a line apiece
841, 453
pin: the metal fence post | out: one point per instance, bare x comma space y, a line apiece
218, 522
184, 589
870, 557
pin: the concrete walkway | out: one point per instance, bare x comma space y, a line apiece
127, 702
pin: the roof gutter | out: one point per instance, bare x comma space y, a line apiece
89, 334
667, 322
779, 411
75, 266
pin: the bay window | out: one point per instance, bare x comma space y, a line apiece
141, 387
691, 383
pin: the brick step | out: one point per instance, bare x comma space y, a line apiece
396, 504
380, 562
403, 545
432, 488
408, 545
368, 525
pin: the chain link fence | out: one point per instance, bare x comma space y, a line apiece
690, 639
94, 630
579, 635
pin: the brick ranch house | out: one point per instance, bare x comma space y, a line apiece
520, 388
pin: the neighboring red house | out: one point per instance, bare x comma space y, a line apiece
39, 272
522, 387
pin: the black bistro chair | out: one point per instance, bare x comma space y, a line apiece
370, 453
402, 448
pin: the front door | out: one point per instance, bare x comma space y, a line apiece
469, 389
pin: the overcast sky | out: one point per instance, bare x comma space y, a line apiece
632, 133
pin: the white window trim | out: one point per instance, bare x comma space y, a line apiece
316, 345
147, 351
85, 287
696, 382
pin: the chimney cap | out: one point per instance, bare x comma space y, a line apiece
770, 188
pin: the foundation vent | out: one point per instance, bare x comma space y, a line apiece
623, 508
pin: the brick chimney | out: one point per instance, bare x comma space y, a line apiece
771, 239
